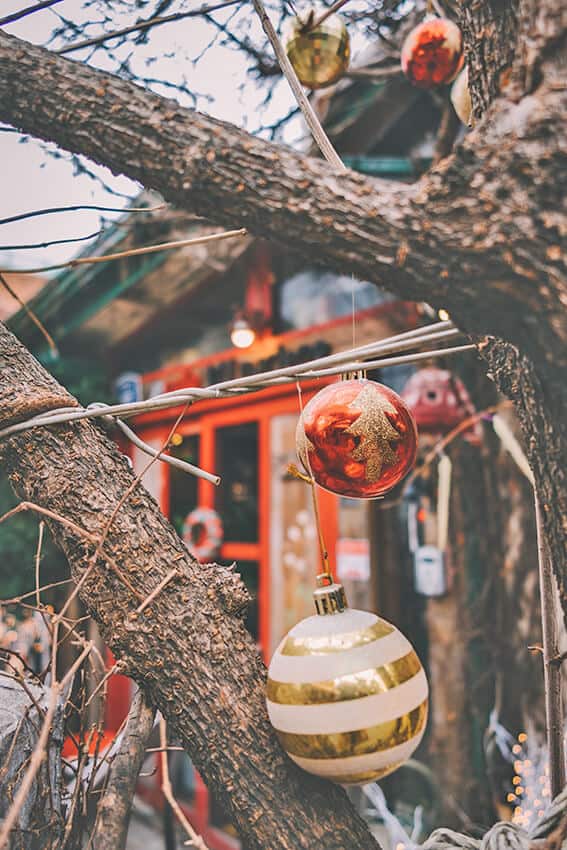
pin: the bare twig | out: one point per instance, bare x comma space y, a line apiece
76, 207
15, 599
327, 13
146, 25
113, 670
114, 808
195, 840
311, 119
41, 327
133, 252
156, 591
52, 242
81, 532
29, 10
135, 483
38, 561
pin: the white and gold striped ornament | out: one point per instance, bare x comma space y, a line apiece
346, 694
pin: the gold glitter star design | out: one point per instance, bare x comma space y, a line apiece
376, 431
303, 445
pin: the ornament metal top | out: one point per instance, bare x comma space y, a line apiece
356, 438
346, 692
432, 54
319, 56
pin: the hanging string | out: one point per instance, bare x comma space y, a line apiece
353, 297
311, 481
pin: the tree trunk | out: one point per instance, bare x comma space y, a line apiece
189, 649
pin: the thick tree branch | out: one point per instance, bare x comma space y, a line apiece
189, 650
482, 235
458, 239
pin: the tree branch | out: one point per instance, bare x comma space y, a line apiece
113, 813
214, 701
456, 239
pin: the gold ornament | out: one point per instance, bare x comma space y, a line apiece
346, 692
320, 56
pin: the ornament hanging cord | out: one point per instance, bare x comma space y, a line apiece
311, 481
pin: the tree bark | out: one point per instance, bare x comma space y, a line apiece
189, 650
481, 235
468, 236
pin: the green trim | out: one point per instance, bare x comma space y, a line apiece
82, 316
386, 165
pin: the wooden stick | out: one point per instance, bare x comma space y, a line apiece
30, 313
157, 590
551, 670
133, 252
195, 840
311, 119
327, 13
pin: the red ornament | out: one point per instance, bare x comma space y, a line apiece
432, 54
439, 401
357, 438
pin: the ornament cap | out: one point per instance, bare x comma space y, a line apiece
330, 596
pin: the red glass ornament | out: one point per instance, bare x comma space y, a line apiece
432, 54
357, 438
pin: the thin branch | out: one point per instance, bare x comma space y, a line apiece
134, 252
327, 13
38, 561
81, 532
29, 312
134, 484
157, 590
15, 599
145, 25
195, 840
29, 10
311, 119
53, 242
76, 207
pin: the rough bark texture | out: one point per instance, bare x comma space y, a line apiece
113, 811
189, 650
482, 235
40, 823
469, 236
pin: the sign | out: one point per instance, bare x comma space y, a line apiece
128, 387
430, 575
353, 559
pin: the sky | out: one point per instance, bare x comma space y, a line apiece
32, 179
